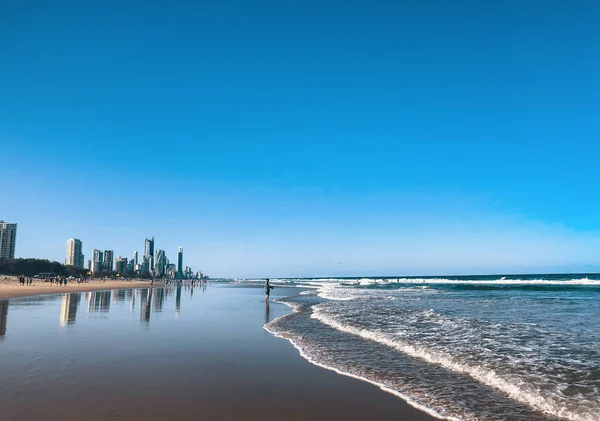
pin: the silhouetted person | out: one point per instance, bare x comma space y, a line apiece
268, 289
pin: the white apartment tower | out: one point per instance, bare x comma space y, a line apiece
74, 254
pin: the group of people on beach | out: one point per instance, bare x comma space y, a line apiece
25, 281
60, 280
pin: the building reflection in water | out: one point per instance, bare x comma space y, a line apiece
178, 300
99, 301
132, 302
68, 311
3, 317
158, 299
267, 313
120, 295
145, 307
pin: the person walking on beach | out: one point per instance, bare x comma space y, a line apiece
268, 289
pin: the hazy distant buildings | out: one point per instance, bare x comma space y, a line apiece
98, 261
108, 260
8, 240
160, 263
74, 254
180, 262
121, 265
153, 263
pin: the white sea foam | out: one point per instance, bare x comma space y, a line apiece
365, 282
412, 402
514, 388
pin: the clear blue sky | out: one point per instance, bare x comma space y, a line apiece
305, 138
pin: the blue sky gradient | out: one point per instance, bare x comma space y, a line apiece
296, 138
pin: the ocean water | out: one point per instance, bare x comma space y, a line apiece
467, 348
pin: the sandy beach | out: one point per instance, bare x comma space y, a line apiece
10, 287
198, 354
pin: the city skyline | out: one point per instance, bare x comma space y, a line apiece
155, 264
302, 139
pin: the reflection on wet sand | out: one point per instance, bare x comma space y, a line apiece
151, 300
68, 310
178, 300
158, 299
98, 301
145, 300
267, 313
3, 317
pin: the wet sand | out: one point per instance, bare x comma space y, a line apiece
10, 288
203, 356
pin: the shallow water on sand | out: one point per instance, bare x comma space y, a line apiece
118, 354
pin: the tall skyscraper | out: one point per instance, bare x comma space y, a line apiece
8, 240
98, 262
121, 265
144, 266
135, 257
180, 262
89, 264
149, 252
108, 260
131, 266
160, 263
74, 254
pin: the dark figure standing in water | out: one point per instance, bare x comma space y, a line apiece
268, 289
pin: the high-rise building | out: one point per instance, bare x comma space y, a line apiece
180, 262
121, 265
98, 261
74, 254
171, 270
108, 260
135, 257
160, 263
131, 266
89, 265
8, 240
149, 252
144, 268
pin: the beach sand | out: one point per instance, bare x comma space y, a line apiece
10, 287
214, 362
